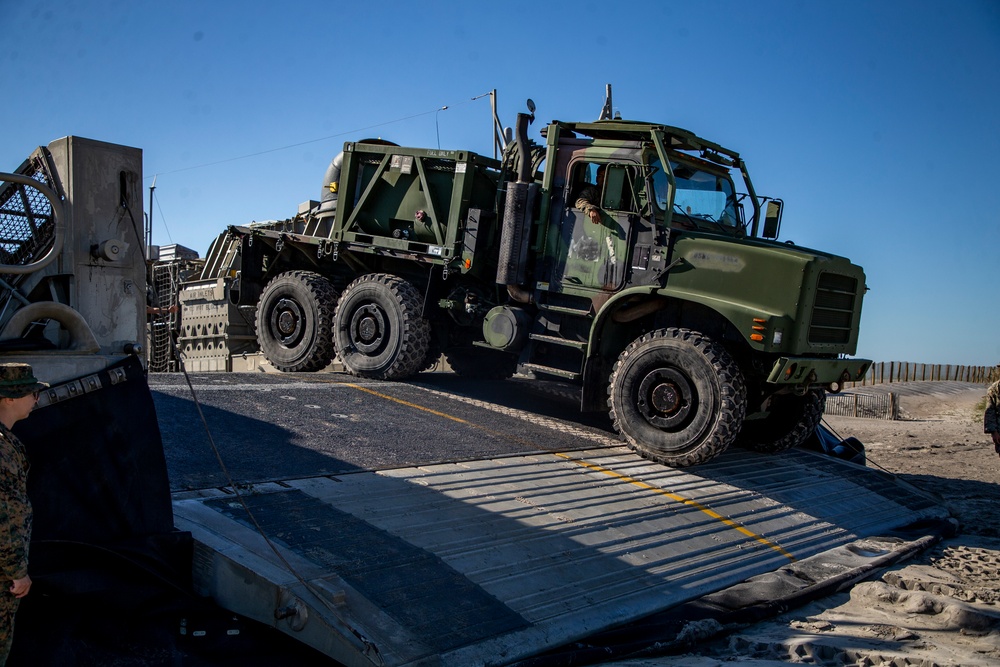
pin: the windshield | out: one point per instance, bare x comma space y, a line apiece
700, 195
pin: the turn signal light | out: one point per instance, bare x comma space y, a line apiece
757, 337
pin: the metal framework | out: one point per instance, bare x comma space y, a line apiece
27, 224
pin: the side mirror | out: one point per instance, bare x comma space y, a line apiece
772, 218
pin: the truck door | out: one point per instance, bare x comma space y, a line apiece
594, 254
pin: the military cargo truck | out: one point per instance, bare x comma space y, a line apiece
672, 305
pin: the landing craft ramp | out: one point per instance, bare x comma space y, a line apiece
555, 534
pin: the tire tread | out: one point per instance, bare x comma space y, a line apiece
415, 331
733, 397
324, 296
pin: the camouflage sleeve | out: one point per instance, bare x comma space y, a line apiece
991, 420
15, 514
587, 199
13, 545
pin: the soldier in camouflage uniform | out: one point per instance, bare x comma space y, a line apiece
18, 395
991, 420
589, 197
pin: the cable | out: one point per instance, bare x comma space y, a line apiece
868, 458
135, 227
869, 461
163, 218
370, 647
313, 141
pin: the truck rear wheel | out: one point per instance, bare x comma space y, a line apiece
791, 421
295, 320
378, 330
677, 397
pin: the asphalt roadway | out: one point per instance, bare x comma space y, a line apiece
269, 427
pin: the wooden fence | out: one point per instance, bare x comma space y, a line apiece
885, 372
884, 405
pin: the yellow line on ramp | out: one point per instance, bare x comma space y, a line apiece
681, 499
596, 468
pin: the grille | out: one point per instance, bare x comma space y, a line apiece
833, 311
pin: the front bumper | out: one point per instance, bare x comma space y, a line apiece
807, 371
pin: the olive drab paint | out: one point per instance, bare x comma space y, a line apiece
675, 307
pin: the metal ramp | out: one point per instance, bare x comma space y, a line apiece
493, 561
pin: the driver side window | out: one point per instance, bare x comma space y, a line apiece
610, 187
619, 189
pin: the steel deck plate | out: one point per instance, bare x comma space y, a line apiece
491, 561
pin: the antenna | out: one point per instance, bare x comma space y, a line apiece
500, 138
606, 111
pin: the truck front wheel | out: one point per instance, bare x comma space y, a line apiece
294, 321
677, 397
791, 421
378, 330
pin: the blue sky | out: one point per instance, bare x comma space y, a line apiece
878, 123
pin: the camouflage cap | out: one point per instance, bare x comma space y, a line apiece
17, 380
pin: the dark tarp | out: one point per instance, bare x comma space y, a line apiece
98, 473
103, 547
